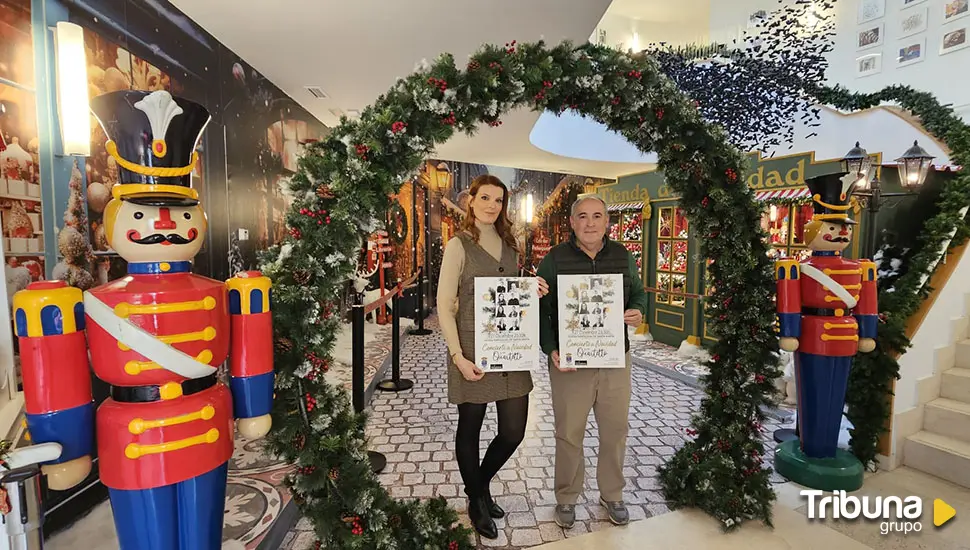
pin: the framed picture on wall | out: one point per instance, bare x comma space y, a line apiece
911, 3
870, 10
954, 40
911, 51
955, 9
868, 65
913, 21
871, 36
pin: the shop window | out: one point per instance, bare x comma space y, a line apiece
672, 253
785, 225
626, 228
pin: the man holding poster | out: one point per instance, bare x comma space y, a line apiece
590, 273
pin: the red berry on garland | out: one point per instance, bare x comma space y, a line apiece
333, 475
723, 394
616, 100
759, 378
732, 176
362, 151
715, 358
452, 545
705, 202
311, 402
318, 545
494, 123
660, 114
450, 119
295, 233
398, 127
299, 441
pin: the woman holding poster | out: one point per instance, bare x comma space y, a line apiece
484, 247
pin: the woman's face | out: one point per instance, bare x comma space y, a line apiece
487, 204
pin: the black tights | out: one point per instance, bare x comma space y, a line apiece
512, 416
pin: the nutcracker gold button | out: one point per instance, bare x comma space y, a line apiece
170, 390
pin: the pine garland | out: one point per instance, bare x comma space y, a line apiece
364, 161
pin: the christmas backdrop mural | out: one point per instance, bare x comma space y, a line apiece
246, 153
21, 213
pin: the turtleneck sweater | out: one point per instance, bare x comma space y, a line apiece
451, 268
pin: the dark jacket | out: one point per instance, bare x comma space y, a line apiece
569, 259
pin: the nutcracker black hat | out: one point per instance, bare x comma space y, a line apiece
831, 194
152, 136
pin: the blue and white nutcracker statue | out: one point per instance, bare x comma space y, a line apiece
157, 336
827, 313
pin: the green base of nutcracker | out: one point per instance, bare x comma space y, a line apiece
843, 472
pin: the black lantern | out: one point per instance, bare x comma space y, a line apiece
913, 167
857, 161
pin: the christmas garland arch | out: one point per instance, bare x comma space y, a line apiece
342, 189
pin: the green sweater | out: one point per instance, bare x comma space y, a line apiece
549, 305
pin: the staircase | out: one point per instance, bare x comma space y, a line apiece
942, 447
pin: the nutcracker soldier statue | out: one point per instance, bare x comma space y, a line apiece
826, 313
157, 336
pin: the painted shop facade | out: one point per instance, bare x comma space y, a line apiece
646, 219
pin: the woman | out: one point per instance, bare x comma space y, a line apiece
484, 247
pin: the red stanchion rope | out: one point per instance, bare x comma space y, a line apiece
390, 294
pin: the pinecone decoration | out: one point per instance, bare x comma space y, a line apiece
284, 345
324, 192
301, 276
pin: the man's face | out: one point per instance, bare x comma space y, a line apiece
158, 233
832, 236
589, 222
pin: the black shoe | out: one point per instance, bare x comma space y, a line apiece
494, 509
481, 520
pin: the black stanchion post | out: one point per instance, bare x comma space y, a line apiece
377, 460
421, 331
395, 383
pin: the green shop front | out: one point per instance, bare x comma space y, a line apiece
645, 217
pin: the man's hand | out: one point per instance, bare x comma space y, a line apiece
555, 361
633, 317
543, 286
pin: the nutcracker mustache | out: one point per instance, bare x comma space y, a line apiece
158, 238
832, 239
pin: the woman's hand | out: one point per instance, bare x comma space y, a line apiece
468, 369
543, 286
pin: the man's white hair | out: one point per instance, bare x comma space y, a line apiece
586, 197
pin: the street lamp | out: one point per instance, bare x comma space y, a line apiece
857, 161
913, 167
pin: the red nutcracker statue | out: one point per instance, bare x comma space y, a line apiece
157, 336
827, 312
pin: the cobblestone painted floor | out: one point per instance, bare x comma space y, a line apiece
415, 430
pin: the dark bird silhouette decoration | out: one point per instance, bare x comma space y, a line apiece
757, 87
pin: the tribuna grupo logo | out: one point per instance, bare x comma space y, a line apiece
895, 514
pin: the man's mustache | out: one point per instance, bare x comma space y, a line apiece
157, 238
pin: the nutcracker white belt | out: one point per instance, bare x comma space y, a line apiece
143, 342
821, 278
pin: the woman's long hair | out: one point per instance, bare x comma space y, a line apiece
502, 224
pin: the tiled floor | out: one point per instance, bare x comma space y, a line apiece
415, 430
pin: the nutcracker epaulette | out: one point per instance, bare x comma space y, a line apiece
48, 308
249, 292
787, 269
868, 270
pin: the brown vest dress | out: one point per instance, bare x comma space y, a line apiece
494, 386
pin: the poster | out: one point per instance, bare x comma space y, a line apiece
507, 323
591, 329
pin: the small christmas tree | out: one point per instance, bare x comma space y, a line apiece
72, 240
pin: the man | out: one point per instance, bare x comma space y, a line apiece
575, 392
